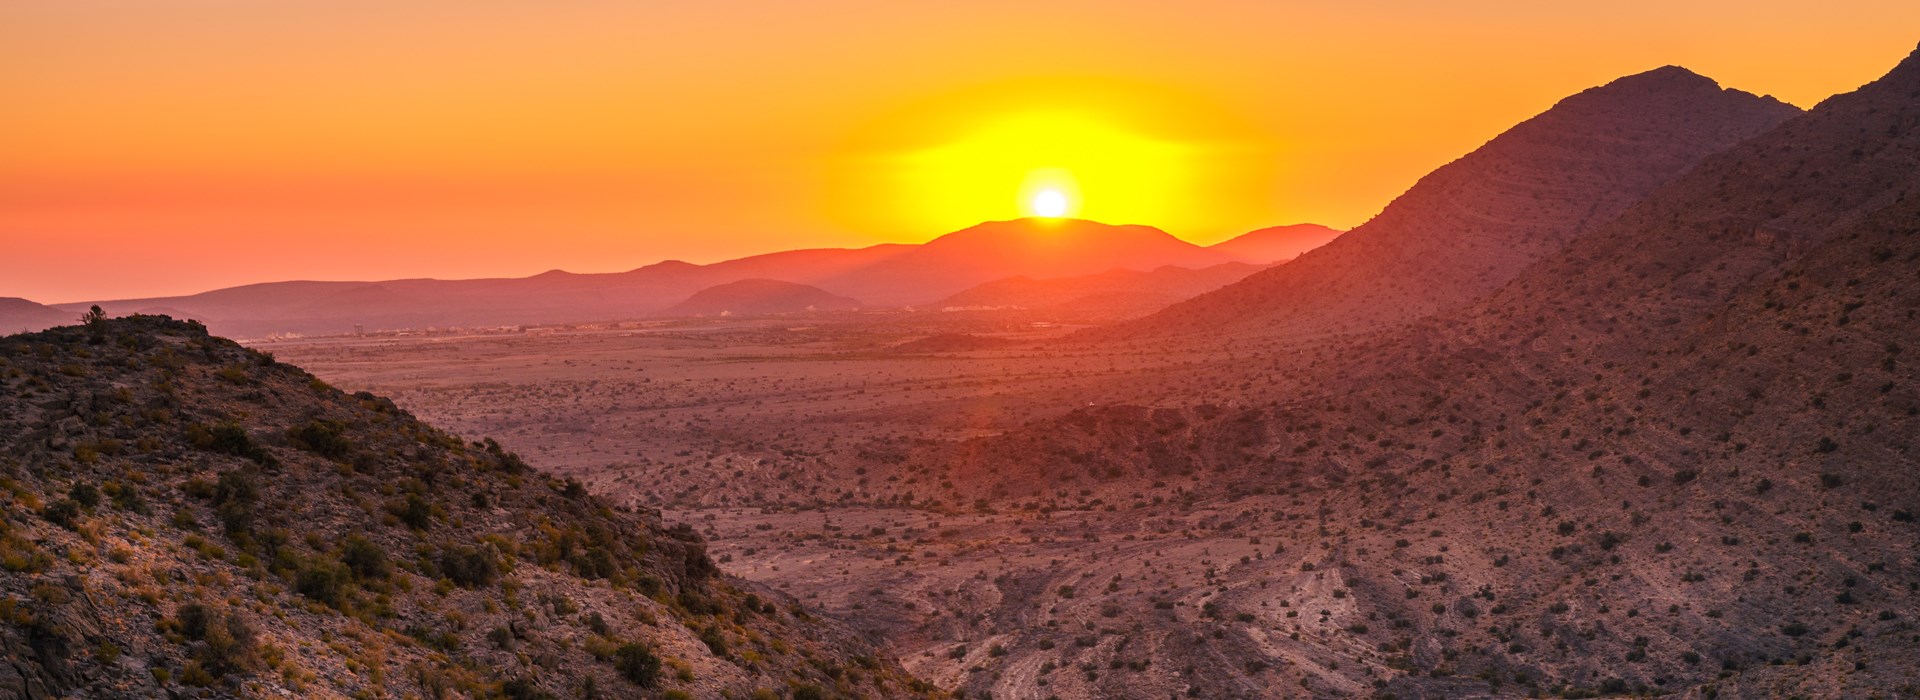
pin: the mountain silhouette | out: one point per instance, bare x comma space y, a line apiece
1276, 243
759, 297
1472, 225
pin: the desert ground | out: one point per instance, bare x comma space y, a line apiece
1021, 603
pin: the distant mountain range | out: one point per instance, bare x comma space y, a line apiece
891, 275
18, 314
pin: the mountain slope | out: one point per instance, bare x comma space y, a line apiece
1472, 225
1675, 457
1276, 243
756, 297
184, 513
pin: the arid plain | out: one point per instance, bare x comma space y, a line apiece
728, 426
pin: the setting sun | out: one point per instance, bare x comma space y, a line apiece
1112, 151
1049, 203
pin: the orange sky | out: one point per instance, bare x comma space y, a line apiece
171, 147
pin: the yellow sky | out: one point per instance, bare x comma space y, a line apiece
155, 147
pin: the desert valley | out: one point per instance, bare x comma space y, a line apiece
1623, 402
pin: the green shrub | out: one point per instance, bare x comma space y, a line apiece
64, 512
637, 663
469, 567
234, 499
365, 559
324, 582
716, 641
85, 494
324, 438
415, 512
230, 438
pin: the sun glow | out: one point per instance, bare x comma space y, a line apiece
1116, 154
1049, 203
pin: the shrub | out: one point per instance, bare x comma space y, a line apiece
524, 689
637, 663
469, 567
85, 494
323, 582
234, 499
715, 641
126, 497
364, 558
322, 437
227, 642
415, 512
64, 512
230, 438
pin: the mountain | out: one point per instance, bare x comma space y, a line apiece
1674, 457
18, 315
760, 297
551, 297
1472, 225
1037, 248
188, 518
1276, 243
1112, 294
882, 275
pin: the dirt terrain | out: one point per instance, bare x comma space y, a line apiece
677, 395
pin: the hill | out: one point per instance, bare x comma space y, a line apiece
18, 315
1036, 248
760, 297
186, 517
1113, 294
1276, 243
1469, 227
555, 296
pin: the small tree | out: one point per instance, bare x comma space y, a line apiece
95, 319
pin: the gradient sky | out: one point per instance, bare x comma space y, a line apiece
171, 146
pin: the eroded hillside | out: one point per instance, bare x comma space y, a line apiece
185, 515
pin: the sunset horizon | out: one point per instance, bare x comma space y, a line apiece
864, 350
450, 157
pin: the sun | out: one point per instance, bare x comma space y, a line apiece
1048, 203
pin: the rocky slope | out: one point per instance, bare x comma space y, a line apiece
1470, 226
185, 517
1676, 456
